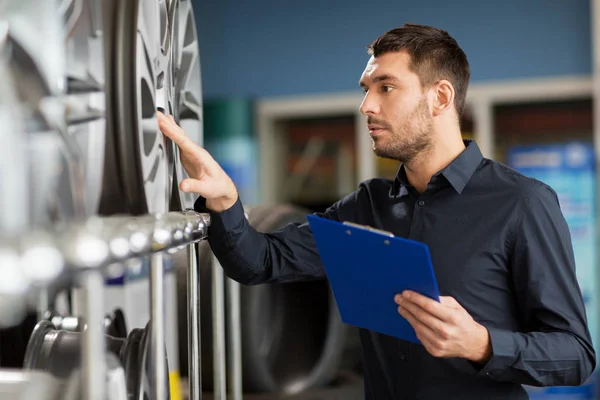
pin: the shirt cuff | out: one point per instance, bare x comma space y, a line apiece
504, 350
221, 223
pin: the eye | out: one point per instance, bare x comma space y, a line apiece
386, 88
364, 90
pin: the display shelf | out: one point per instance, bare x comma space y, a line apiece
541, 122
273, 116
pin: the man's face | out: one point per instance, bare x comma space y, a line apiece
396, 108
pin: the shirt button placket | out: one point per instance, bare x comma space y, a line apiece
415, 226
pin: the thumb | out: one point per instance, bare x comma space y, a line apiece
190, 185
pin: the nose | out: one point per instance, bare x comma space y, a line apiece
369, 105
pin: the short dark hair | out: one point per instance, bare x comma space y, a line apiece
434, 55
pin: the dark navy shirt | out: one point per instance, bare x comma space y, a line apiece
499, 245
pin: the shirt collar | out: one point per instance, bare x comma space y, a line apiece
457, 173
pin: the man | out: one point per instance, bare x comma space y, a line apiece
511, 311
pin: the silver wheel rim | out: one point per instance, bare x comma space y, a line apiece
152, 150
188, 90
86, 97
13, 158
36, 35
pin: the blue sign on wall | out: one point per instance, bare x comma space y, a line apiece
570, 170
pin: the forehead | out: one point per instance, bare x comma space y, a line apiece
395, 64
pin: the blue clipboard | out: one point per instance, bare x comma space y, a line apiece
366, 268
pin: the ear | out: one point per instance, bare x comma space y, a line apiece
444, 97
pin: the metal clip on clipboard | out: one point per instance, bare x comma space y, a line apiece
367, 227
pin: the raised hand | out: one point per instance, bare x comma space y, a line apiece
207, 178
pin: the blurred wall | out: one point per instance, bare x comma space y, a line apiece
264, 48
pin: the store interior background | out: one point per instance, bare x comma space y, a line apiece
281, 97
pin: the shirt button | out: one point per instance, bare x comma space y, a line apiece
421, 203
402, 357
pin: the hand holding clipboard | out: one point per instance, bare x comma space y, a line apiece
366, 268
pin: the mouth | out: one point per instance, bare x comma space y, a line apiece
375, 130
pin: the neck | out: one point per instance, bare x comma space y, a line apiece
445, 147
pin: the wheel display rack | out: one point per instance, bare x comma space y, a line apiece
90, 185
87, 253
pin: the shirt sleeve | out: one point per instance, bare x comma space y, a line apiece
286, 255
555, 348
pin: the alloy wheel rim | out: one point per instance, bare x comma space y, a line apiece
151, 67
188, 90
86, 121
36, 35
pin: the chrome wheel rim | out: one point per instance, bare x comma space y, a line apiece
152, 93
85, 95
37, 61
152, 147
13, 156
188, 91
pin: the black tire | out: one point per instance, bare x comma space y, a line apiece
124, 178
292, 334
118, 326
13, 342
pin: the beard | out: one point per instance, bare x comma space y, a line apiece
414, 136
